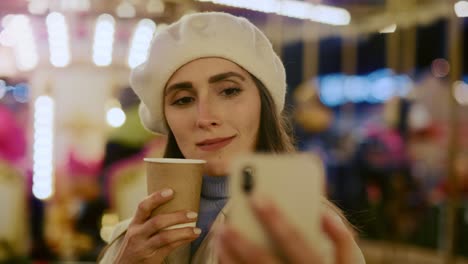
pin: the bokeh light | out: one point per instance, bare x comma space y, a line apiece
115, 117
440, 68
460, 92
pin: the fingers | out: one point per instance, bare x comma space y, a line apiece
234, 248
286, 237
166, 250
226, 254
155, 249
341, 237
146, 240
159, 222
139, 245
150, 203
167, 237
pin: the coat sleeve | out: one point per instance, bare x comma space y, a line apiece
109, 253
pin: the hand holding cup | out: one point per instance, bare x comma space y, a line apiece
164, 223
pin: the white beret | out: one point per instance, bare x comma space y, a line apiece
203, 35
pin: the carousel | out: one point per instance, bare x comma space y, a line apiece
379, 88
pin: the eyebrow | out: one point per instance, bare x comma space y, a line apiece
213, 79
222, 76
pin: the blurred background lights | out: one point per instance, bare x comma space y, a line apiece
460, 92
3, 88
293, 8
108, 222
57, 30
160, 27
17, 33
43, 147
404, 84
419, 117
26, 54
115, 117
326, 14
42, 192
267, 6
353, 89
125, 10
21, 92
38, 7
331, 93
383, 89
103, 40
140, 43
155, 7
388, 29
75, 5
6, 19
377, 87
7, 35
440, 67
461, 8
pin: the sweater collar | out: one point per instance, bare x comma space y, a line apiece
215, 187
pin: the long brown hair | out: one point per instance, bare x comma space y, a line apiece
274, 134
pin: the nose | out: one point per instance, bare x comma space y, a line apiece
208, 115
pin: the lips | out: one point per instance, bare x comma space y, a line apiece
214, 143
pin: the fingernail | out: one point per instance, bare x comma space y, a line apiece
192, 215
197, 231
167, 192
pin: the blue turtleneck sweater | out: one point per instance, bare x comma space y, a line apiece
214, 195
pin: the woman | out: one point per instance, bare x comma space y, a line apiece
215, 86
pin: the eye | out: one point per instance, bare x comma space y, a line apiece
233, 91
183, 101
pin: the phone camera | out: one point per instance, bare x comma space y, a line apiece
247, 180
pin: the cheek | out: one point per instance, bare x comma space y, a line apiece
251, 121
178, 123
177, 119
256, 124
171, 119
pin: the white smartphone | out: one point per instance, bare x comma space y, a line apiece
294, 182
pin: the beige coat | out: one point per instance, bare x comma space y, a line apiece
206, 253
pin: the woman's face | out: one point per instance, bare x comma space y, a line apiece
212, 107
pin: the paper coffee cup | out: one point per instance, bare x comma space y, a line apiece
184, 176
